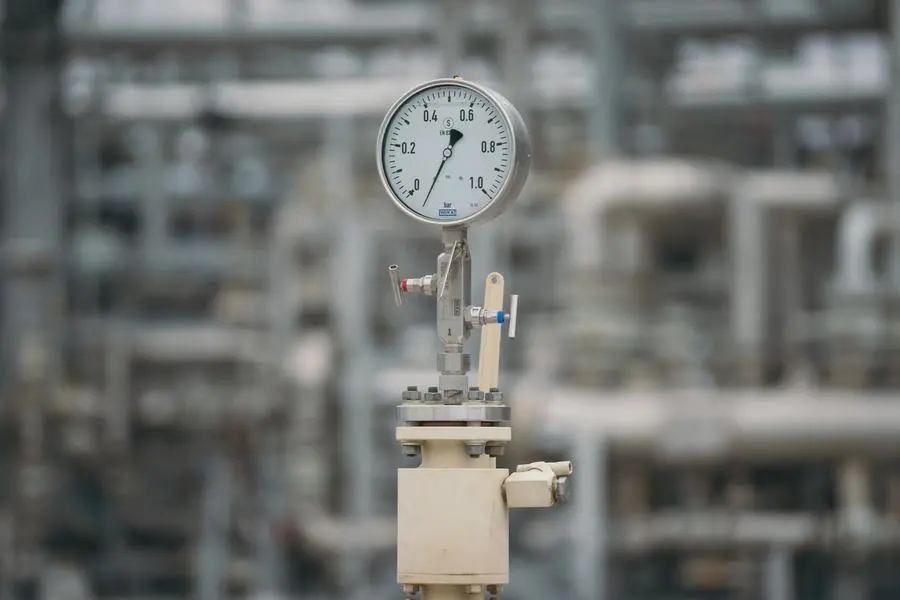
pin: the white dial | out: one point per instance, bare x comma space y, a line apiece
451, 152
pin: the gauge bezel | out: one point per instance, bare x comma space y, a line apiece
520, 154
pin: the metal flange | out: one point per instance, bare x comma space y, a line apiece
430, 413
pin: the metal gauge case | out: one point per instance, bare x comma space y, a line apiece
453, 153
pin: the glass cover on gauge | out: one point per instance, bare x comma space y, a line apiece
447, 152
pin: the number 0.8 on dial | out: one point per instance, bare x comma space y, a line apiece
451, 152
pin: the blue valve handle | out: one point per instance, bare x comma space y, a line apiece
510, 317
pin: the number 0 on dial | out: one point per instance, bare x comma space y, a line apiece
451, 153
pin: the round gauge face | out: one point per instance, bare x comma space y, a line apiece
447, 152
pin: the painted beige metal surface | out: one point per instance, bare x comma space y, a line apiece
452, 527
489, 355
530, 489
451, 454
535, 485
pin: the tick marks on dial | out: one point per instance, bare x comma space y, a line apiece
455, 136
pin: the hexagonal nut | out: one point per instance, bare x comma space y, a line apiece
434, 397
475, 395
494, 397
411, 396
496, 450
453, 362
473, 589
411, 449
474, 449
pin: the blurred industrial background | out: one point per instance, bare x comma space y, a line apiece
201, 356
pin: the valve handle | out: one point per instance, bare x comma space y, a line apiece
394, 274
513, 312
455, 253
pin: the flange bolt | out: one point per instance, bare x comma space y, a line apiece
474, 449
411, 450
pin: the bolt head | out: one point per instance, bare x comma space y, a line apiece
474, 449
496, 450
411, 450
411, 395
493, 397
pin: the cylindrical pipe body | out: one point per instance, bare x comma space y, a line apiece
446, 454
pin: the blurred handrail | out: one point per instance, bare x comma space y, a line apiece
718, 528
750, 424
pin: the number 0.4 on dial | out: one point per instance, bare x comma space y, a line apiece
451, 152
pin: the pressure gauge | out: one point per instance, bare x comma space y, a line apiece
453, 153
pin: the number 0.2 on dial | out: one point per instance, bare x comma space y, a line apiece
451, 152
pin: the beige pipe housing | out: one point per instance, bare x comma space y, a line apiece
452, 512
452, 521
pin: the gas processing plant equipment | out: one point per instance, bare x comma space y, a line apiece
453, 153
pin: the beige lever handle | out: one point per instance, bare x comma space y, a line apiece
489, 354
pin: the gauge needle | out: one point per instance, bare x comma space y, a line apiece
455, 136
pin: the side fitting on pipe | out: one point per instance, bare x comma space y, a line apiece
537, 485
